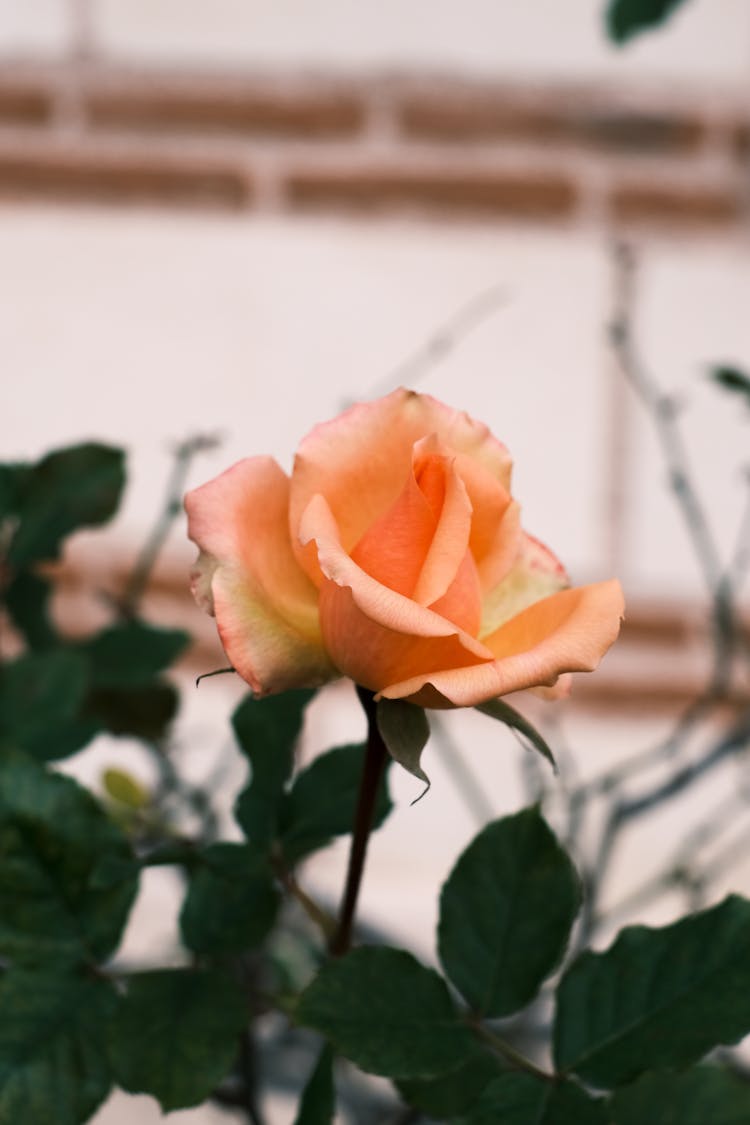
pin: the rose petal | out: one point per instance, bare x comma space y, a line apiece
536, 574
496, 526
394, 548
371, 631
360, 459
439, 481
265, 605
372, 654
567, 632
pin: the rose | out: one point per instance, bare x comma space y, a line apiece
393, 555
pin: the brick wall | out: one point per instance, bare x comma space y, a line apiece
426, 147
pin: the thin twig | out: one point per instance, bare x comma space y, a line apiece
443, 341
171, 508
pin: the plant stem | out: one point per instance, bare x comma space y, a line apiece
376, 756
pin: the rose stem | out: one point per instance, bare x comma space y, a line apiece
376, 756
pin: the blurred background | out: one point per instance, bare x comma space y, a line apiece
234, 218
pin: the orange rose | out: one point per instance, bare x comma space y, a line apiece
394, 555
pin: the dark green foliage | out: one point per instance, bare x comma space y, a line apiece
318, 1103
12, 478
628, 18
175, 1035
657, 997
231, 902
140, 712
54, 838
322, 802
387, 1013
53, 1059
457, 1090
504, 713
131, 654
69, 489
26, 599
705, 1095
732, 380
267, 731
506, 913
41, 696
523, 1099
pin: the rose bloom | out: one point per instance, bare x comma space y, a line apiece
393, 555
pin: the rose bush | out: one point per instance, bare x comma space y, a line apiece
393, 555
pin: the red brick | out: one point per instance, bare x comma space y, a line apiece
674, 205
235, 110
740, 139
22, 104
478, 116
137, 178
531, 195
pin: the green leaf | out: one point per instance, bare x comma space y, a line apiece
705, 1095
405, 731
131, 654
732, 379
139, 712
26, 600
40, 696
523, 1099
53, 1060
318, 1103
231, 903
657, 997
387, 1013
267, 731
627, 18
455, 1091
504, 713
505, 913
53, 837
71, 488
12, 479
175, 1035
323, 800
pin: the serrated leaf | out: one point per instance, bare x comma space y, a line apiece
504, 713
455, 1091
387, 1013
26, 599
231, 903
53, 1060
175, 1035
68, 489
322, 802
627, 18
656, 997
318, 1102
523, 1099
53, 837
267, 731
40, 695
145, 711
506, 912
705, 1095
405, 731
